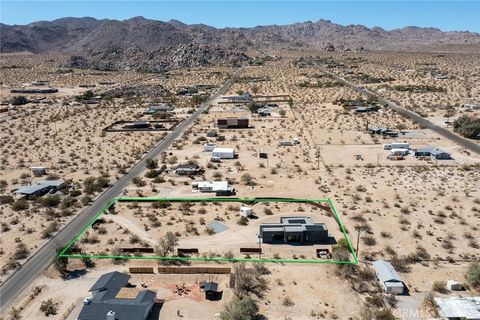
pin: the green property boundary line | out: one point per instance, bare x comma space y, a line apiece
63, 252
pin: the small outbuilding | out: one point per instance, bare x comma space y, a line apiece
389, 278
246, 211
211, 291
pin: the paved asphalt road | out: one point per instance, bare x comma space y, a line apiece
468, 144
44, 256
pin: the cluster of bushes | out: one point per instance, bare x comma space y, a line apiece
92, 185
419, 88
467, 127
326, 84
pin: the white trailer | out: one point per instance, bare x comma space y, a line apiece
209, 147
223, 153
400, 145
399, 152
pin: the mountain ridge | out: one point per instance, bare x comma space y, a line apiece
138, 42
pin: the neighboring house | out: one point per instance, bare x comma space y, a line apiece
233, 123
294, 230
247, 97
388, 277
220, 188
111, 296
188, 169
432, 152
40, 188
467, 308
159, 108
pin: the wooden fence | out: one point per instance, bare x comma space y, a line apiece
193, 270
67, 312
141, 270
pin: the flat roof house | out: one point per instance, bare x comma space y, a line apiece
388, 277
467, 308
433, 152
111, 296
40, 188
294, 230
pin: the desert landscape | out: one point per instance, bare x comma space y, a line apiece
147, 140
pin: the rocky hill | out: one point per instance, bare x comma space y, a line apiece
157, 45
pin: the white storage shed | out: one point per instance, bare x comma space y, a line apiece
223, 153
388, 277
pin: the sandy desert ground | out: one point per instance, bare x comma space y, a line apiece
422, 215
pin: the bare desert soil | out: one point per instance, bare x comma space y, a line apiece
422, 215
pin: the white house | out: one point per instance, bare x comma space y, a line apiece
223, 153
388, 277
217, 187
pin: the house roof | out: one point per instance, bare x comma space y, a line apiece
105, 300
431, 150
189, 166
40, 186
459, 307
111, 280
226, 150
386, 272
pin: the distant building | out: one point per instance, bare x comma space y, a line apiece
459, 307
159, 108
294, 230
41, 188
34, 90
112, 299
432, 152
388, 277
224, 153
220, 188
188, 169
247, 97
233, 123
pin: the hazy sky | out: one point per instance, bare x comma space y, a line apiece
445, 15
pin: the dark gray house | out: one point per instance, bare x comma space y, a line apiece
294, 230
41, 188
107, 299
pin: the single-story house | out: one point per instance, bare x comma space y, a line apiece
188, 169
389, 278
433, 152
459, 307
40, 188
220, 188
112, 299
294, 230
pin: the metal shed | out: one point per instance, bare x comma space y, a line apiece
389, 278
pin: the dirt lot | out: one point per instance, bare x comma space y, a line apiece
420, 214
